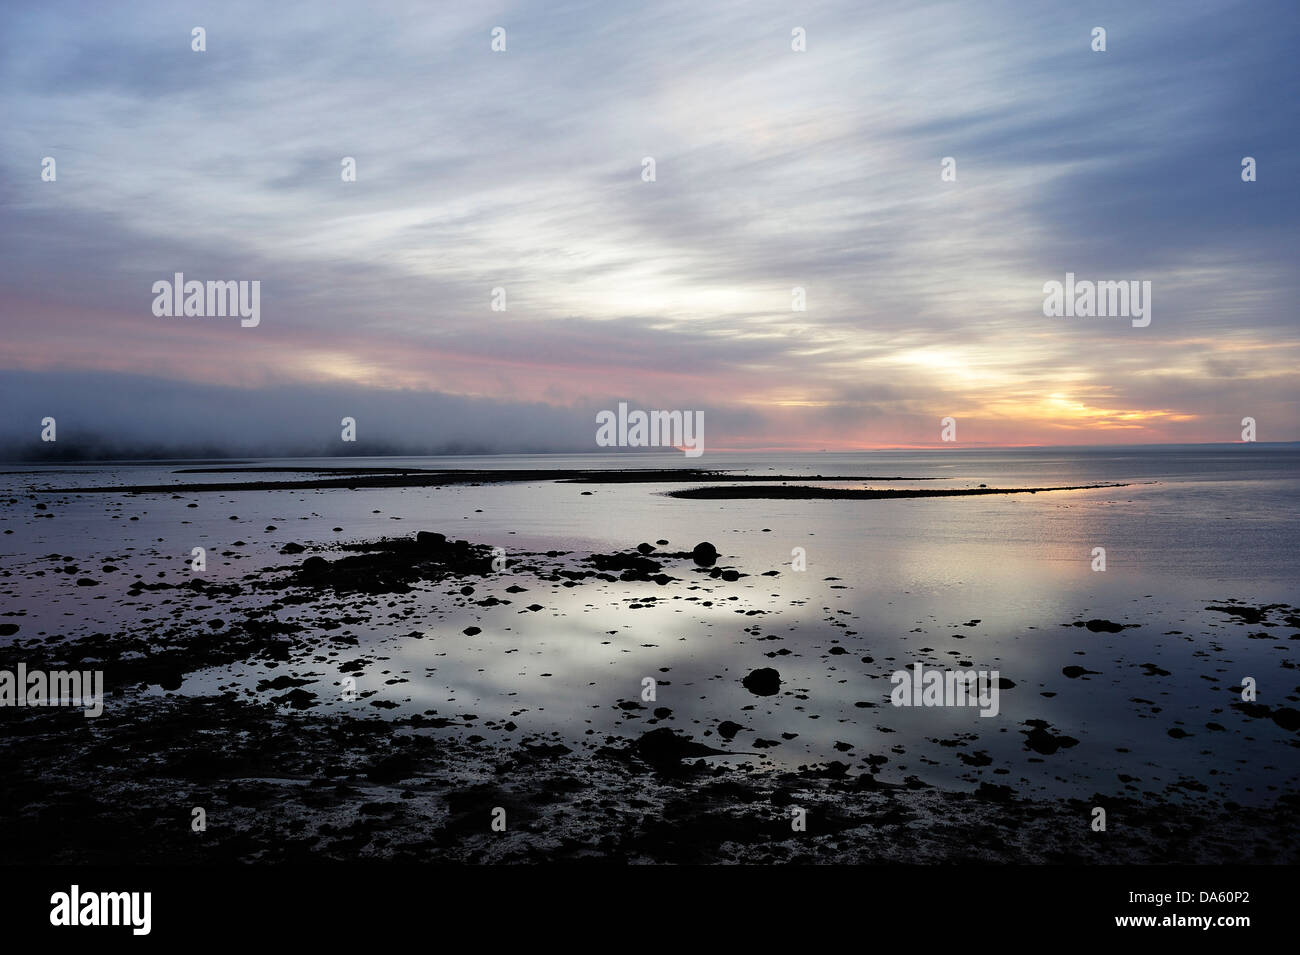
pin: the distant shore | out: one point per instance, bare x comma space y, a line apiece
791, 486
813, 493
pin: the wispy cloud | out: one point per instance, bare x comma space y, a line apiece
775, 169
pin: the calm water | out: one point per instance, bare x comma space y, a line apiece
892, 582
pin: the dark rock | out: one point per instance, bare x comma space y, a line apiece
993, 793
665, 747
1287, 718
705, 554
763, 682
299, 699
1041, 741
633, 566
313, 566
391, 769
1247, 614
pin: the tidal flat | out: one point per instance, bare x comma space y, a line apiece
383, 672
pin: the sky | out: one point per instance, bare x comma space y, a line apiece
522, 169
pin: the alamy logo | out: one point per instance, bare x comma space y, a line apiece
57, 688
924, 687
654, 429
1122, 299
103, 908
209, 300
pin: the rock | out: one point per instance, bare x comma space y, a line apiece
1247, 614
299, 699
644, 548
631, 566
705, 554
1041, 741
1287, 718
431, 539
391, 769
471, 631
292, 548
728, 730
763, 682
315, 566
664, 747
8, 629
993, 793
281, 682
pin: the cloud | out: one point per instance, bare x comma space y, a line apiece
775, 169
